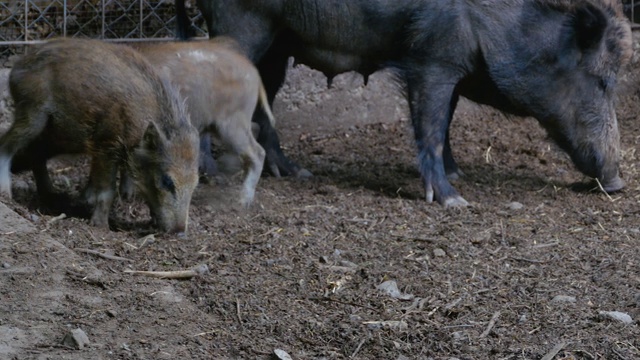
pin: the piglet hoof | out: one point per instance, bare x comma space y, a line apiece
245, 202
99, 222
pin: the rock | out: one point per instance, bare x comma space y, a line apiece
76, 339
617, 315
390, 288
437, 252
6, 265
514, 205
564, 299
279, 354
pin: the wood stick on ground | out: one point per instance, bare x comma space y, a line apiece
57, 218
358, 348
492, 323
556, 349
178, 274
238, 312
102, 255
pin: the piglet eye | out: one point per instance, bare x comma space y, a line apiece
167, 183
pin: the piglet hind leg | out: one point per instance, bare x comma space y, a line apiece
240, 139
27, 126
5, 174
430, 102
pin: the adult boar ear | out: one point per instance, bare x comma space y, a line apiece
589, 24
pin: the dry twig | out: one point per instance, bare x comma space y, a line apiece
179, 274
492, 323
556, 349
102, 255
358, 348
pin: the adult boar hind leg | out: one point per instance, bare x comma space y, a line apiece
101, 189
273, 69
430, 101
450, 166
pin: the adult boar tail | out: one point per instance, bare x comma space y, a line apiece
264, 102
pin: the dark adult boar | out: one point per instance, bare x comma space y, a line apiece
105, 100
555, 60
221, 88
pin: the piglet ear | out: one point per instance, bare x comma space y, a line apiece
589, 25
151, 138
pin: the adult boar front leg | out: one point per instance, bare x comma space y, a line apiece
430, 100
273, 69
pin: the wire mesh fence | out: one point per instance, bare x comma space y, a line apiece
27, 21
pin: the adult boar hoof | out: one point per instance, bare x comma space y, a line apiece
304, 174
455, 202
613, 185
455, 174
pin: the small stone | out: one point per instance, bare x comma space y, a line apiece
522, 319
34, 217
390, 288
111, 313
515, 205
481, 237
6, 265
279, 354
437, 252
76, 339
564, 298
617, 315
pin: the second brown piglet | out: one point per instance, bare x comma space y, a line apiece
221, 88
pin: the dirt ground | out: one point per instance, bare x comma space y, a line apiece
532, 270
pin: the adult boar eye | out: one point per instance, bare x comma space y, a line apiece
604, 84
168, 183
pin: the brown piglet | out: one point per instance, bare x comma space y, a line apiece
80, 96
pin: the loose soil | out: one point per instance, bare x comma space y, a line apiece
525, 272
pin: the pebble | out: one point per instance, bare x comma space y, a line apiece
76, 339
6, 265
390, 288
617, 315
437, 252
515, 205
280, 354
